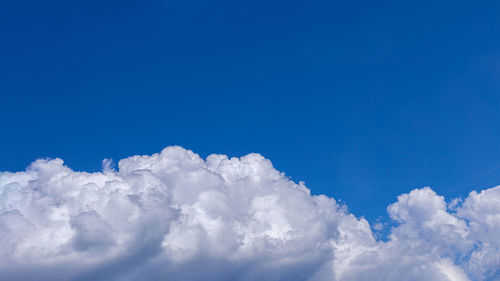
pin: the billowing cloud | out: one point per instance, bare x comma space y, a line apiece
175, 216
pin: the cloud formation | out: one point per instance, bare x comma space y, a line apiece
175, 216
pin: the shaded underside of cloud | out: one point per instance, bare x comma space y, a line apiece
176, 216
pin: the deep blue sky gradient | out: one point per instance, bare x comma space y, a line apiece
362, 100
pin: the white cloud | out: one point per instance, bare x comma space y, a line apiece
175, 216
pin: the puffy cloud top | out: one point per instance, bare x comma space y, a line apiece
175, 216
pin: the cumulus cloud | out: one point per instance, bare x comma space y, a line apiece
175, 216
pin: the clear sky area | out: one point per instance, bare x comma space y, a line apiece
361, 100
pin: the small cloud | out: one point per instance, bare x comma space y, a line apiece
108, 165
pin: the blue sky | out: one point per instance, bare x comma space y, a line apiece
362, 100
